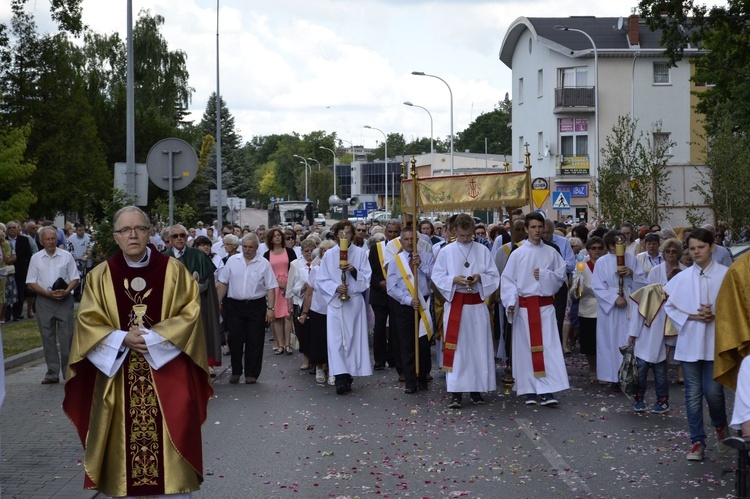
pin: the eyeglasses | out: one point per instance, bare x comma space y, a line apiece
671, 251
596, 248
139, 230
290, 238
178, 236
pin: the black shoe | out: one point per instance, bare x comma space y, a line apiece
455, 401
410, 390
477, 398
423, 386
379, 366
548, 399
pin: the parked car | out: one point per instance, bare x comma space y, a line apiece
739, 249
320, 220
381, 216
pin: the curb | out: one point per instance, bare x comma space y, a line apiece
23, 358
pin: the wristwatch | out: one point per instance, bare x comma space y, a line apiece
270, 308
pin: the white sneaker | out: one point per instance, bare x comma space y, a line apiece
332, 380
320, 375
697, 452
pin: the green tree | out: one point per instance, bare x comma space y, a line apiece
724, 33
16, 196
235, 177
633, 179
70, 166
492, 126
396, 147
724, 184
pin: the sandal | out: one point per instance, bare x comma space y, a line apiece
278, 350
288, 350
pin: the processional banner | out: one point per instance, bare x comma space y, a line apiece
481, 191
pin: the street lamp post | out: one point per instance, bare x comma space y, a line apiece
596, 103
334, 166
220, 203
432, 148
304, 160
421, 73
313, 159
385, 141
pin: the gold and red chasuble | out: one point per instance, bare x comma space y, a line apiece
140, 428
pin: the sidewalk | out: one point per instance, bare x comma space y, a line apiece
41, 453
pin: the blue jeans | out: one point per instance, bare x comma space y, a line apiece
660, 379
699, 384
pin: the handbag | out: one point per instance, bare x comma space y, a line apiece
628, 374
59, 284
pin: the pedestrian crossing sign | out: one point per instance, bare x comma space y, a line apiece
562, 201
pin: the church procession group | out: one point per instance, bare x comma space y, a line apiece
158, 317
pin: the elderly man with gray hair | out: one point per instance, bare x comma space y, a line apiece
53, 275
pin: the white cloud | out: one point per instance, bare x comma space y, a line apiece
335, 65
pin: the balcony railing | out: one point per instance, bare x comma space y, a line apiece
566, 97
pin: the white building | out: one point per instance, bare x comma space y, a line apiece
558, 97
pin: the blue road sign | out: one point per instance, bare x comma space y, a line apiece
371, 205
561, 201
360, 213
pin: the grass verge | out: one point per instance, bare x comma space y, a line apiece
20, 336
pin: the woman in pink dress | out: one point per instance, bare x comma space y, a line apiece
280, 258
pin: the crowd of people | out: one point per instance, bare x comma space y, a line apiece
523, 294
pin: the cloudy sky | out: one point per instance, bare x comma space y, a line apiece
336, 65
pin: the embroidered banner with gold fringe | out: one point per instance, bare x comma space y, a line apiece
479, 191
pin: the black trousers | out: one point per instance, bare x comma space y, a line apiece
247, 331
405, 317
394, 335
382, 341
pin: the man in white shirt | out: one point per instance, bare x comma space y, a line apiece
248, 282
200, 230
54, 304
81, 247
400, 284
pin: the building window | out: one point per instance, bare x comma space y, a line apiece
520, 90
661, 73
574, 136
540, 145
521, 149
574, 77
662, 143
540, 83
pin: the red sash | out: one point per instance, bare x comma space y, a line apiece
454, 322
533, 304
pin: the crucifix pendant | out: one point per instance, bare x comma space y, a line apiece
466, 265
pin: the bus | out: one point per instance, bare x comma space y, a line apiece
290, 213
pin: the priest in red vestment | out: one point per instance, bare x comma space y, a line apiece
138, 385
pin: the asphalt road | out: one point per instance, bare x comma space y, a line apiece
286, 436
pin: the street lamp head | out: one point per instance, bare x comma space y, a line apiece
559, 27
418, 73
367, 126
407, 103
296, 156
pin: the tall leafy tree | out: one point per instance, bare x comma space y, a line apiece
492, 126
724, 33
396, 147
70, 166
16, 196
633, 178
236, 177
